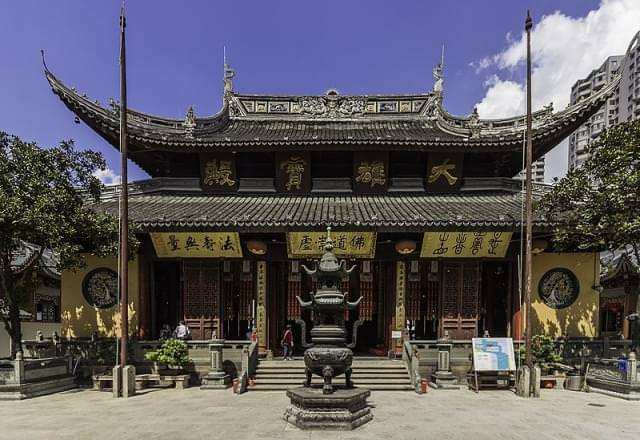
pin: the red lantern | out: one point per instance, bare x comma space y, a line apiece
405, 247
257, 247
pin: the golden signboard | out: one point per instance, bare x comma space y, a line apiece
345, 244
197, 244
465, 244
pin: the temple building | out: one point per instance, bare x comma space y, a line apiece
423, 202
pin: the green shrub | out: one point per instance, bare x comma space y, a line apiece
543, 352
172, 352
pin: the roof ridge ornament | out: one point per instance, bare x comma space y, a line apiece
474, 124
228, 75
189, 123
438, 75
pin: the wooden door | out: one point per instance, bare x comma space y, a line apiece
459, 300
201, 299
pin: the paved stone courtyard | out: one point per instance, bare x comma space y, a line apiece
199, 414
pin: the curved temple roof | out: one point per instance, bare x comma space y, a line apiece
276, 123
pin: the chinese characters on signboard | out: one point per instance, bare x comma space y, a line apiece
465, 244
345, 244
218, 173
444, 172
371, 173
197, 244
294, 169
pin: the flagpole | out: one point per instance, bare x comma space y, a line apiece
124, 201
529, 210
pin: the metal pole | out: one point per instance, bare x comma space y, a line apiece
529, 195
124, 201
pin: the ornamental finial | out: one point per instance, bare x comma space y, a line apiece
439, 77
328, 243
228, 75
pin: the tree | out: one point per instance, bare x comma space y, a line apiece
47, 198
597, 206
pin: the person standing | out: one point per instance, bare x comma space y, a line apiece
182, 332
287, 343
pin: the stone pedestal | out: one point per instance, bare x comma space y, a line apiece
443, 378
128, 381
524, 387
344, 409
216, 379
116, 382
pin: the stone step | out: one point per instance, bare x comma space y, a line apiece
318, 380
354, 376
355, 370
373, 387
362, 364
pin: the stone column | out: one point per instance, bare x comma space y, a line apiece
261, 305
216, 378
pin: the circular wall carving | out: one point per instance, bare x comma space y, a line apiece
558, 288
100, 288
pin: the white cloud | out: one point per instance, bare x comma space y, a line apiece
564, 49
108, 176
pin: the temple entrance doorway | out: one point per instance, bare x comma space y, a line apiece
495, 305
165, 298
237, 299
374, 281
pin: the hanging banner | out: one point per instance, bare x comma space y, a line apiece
345, 244
197, 244
465, 244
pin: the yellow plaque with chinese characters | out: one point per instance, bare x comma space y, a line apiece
465, 244
197, 244
345, 244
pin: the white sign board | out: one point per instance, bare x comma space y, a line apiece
396, 334
493, 354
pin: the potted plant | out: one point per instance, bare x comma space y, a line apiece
174, 353
546, 356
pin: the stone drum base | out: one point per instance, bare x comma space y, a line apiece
344, 409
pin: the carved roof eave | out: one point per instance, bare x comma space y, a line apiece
107, 121
544, 122
624, 267
148, 132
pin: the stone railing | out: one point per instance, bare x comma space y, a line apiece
249, 365
411, 359
21, 371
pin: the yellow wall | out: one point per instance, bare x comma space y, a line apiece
79, 318
579, 319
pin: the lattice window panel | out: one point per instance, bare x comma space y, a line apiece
451, 291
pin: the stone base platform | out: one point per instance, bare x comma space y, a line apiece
35, 389
216, 381
444, 381
614, 388
344, 410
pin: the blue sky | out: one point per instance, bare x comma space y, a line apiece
174, 53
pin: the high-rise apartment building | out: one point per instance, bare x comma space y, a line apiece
624, 105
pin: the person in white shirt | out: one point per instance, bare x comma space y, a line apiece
182, 331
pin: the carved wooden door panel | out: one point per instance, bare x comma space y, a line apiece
201, 298
459, 303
